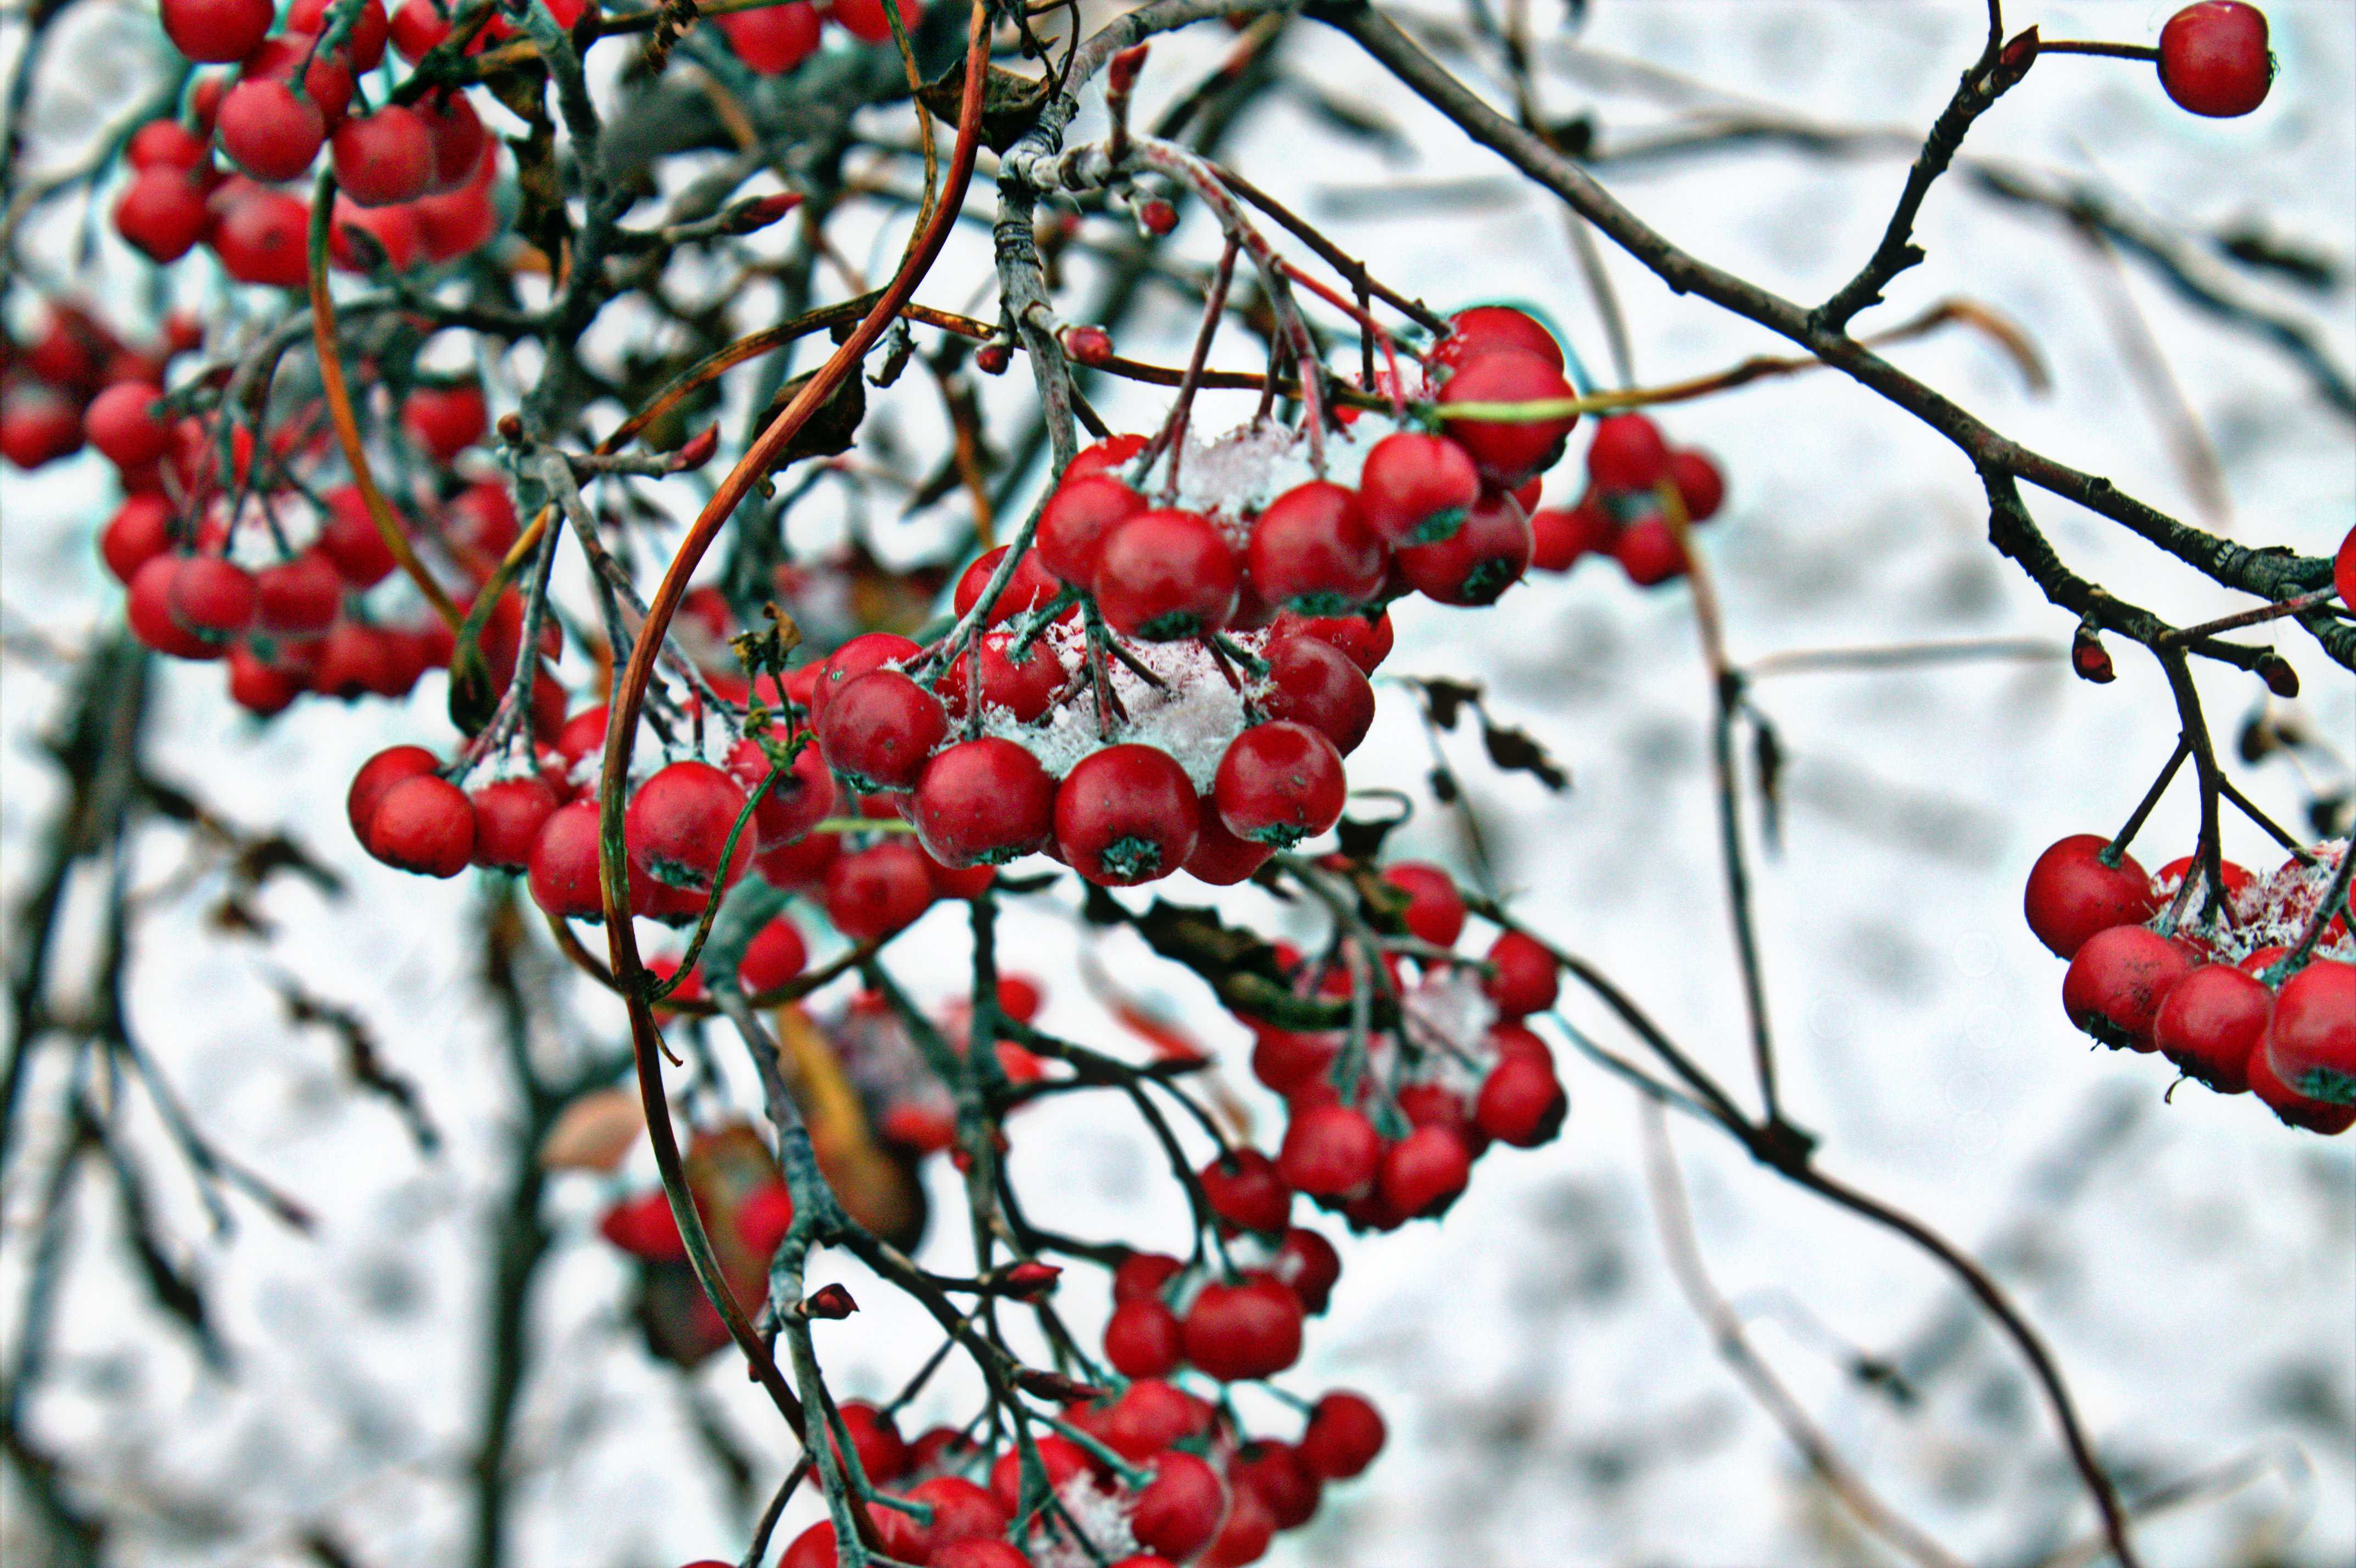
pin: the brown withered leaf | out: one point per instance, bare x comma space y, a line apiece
832, 425
1010, 103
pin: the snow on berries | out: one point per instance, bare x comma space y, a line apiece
2260, 997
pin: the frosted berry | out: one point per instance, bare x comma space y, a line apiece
1165, 575
1126, 814
982, 801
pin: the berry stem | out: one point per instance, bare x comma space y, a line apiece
2134, 824
2087, 46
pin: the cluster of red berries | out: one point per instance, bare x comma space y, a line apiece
49, 385
416, 179
2221, 1001
1154, 1478
1632, 475
201, 501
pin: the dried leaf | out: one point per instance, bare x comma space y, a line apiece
595, 1132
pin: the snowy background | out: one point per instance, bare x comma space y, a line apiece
1552, 1397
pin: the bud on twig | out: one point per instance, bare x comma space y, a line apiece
1156, 216
1055, 1385
2280, 678
826, 1301
759, 212
994, 357
1088, 345
2089, 657
696, 452
2013, 64
1028, 1281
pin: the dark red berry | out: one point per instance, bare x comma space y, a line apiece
878, 890
1165, 575
2116, 982
2213, 59
676, 826
1485, 556
424, 824
1507, 451
2209, 1024
1280, 783
1312, 552
1126, 814
984, 801
1239, 1331
878, 729
508, 816
1435, 910
1329, 1151
1314, 683
2072, 894
1141, 1339
1073, 526
1526, 980
1344, 1434
1245, 1192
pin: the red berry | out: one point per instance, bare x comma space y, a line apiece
1507, 452
2311, 1042
1026, 689
2072, 894
1178, 1512
395, 764
508, 816
1367, 644
1219, 857
326, 81
1031, 586
870, 651
2213, 59
1112, 453
1424, 1173
211, 598
1126, 814
1485, 329
1141, 1275
261, 238
1314, 553
217, 30
369, 33
1329, 1151
1415, 489
774, 956
1280, 783
1526, 980
424, 824
1521, 1102
2209, 1023
802, 864
866, 19
1435, 910
456, 141
1558, 538
1243, 1534
1344, 1434
645, 1228
140, 530
1649, 551
297, 597
269, 132
1314, 683
813, 1548
162, 213
1309, 1266
165, 143
1627, 455
1141, 1339
446, 421
1164, 576
384, 157
972, 1551
1699, 484
875, 1437
984, 801
677, 827
122, 423
1276, 1472
1073, 524
2293, 1108
1060, 1457
962, 1511
775, 39
878, 890
1247, 1330
1487, 554
801, 797
2116, 982
878, 729
1246, 1192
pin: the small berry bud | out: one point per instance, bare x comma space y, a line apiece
510, 428
827, 1301
696, 452
762, 211
1055, 1386
1028, 1281
1121, 75
1156, 217
2280, 678
1088, 345
2089, 657
994, 357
